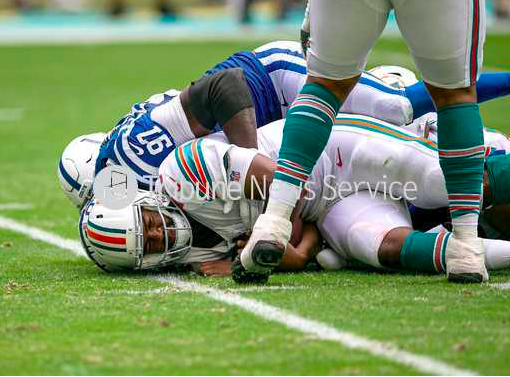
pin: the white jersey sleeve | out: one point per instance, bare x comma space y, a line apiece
286, 66
171, 116
206, 176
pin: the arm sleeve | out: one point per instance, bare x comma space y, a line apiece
216, 98
493, 85
488, 87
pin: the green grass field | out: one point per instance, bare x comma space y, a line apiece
61, 315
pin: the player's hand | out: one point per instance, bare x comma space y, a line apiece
240, 244
216, 268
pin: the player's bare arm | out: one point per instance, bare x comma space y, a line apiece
297, 257
222, 98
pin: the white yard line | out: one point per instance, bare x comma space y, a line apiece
41, 235
500, 285
267, 312
156, 291
166, 290
263, 288
15, 207
320, 330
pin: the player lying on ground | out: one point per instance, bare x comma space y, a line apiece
248, 90
446, 41
217, 184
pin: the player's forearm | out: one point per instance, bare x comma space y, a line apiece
492, 85
296, 258
488, 87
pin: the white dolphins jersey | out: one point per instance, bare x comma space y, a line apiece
361, 151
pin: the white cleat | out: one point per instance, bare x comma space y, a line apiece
267, 244
465, 260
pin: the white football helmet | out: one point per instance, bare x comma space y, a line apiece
77, 165
395, 76
114, 239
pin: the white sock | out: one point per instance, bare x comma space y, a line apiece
282, 199
497, 252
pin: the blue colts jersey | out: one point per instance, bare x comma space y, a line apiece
146, 136
138, 142
275, 73
265, 99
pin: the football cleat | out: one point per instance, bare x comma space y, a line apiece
465, 260
266, 245
241, 276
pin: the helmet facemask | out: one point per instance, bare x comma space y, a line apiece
114, 239
176, 231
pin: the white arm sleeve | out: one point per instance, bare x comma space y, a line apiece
171, 116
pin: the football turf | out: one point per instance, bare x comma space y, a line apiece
61, 315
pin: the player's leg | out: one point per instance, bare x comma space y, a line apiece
356, 226
425, 252
342, 33
497, 252
378, 232
446, 40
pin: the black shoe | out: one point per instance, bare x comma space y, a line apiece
268, 254
241, 276
465, 278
